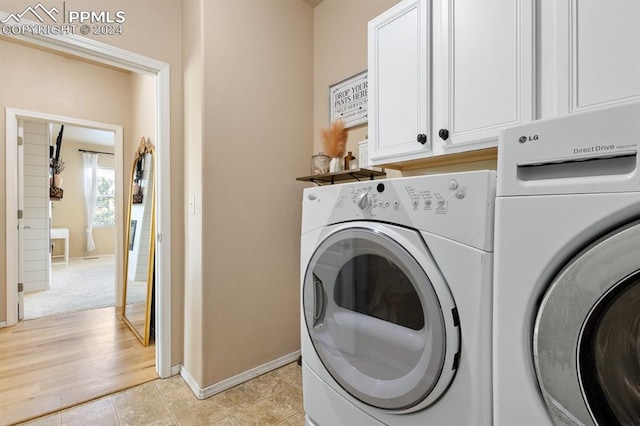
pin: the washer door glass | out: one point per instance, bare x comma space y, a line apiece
586, 341
610, 355
374, 318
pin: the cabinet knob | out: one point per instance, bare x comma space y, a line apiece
444, 134
422, 138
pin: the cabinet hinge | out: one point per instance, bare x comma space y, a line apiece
19, 140
20, 287
20, 214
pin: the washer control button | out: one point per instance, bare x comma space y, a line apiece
416, 203
453, 185
441, 202
460, 194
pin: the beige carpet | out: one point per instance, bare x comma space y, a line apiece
83, 284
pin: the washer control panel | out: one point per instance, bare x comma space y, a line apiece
377, 197
457, 205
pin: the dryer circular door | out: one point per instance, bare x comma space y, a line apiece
381, 317
587, 335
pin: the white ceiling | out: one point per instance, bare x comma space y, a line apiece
85, 134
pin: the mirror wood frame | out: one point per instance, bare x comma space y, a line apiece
142, 333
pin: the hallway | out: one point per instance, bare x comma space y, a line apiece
52, 363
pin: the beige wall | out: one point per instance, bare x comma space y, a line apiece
453, 168
143, 110
256, 139
340, 54
265, 101
256, 76
152, 28
70, 211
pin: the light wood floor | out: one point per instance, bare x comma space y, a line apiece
52, 363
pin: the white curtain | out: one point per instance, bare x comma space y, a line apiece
90, 194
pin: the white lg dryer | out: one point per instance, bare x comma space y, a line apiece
396, 301
567, 276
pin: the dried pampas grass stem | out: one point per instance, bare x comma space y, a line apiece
334, 139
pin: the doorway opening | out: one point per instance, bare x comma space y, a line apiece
96, 52
37, 206
63, 273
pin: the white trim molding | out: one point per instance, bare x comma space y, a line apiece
204, 393
175, 370
92, 50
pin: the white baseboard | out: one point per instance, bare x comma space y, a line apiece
176, 369
191, 382
3, 324
204, 393
92, 257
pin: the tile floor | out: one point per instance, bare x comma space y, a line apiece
274, 398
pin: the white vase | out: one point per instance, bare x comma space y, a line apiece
335, 165
55, 181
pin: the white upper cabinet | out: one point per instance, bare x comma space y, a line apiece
590, 54
452, 73
483, 71
399, 83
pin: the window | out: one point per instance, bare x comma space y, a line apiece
105, 211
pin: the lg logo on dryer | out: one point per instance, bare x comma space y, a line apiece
524, 139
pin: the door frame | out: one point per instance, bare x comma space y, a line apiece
102, 53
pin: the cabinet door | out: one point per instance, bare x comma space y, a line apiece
483, 71
399, 75
590, 54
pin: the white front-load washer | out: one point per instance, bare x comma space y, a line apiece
396, 281
567, 275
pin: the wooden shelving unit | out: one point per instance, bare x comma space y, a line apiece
331, 178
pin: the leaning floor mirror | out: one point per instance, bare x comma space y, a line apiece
140, 245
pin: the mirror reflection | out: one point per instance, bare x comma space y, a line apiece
139, 252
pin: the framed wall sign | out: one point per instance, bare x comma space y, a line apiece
348, 100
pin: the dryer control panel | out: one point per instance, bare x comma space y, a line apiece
459, 206
587, 152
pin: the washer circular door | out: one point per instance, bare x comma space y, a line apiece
587, 335
381, 317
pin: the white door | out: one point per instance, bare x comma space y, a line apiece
33, 201
590, 54
399, 77
446, 76
483, 71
